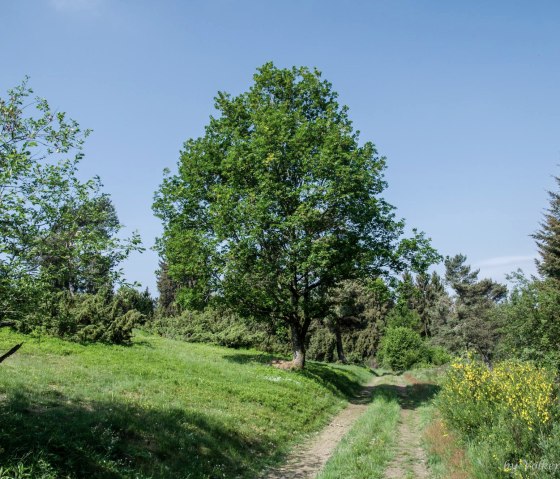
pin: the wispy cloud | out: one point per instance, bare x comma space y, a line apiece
503, 261
75, 5
497, 268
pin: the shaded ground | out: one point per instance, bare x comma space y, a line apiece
158, 409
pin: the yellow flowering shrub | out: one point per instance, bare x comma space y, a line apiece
516, 390
509, 408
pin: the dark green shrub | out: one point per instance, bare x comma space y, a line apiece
105, 316
322, 345
437, 355
139, 301
401, 348
360, 346
223, 328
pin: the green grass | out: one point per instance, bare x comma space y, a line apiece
367, 449
157, 409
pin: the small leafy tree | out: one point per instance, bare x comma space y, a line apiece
401, 348
56, 232
277, 203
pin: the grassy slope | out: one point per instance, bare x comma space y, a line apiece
159, 408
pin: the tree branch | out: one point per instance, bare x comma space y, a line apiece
10, 352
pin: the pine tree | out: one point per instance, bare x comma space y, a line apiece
472, 323
548, 238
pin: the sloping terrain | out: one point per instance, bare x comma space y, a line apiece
159, 408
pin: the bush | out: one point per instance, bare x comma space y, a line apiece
437, 355
404, 317
223, 328
401, 348
322, 345
104, 317
506, 411
531, 327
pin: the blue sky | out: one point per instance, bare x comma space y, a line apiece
461, 97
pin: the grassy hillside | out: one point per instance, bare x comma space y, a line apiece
159, 408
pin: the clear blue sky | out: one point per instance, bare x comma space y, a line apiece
462, 98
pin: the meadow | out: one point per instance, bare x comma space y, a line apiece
157, 408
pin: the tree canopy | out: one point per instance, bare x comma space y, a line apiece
56, 231
548, 238
277, 202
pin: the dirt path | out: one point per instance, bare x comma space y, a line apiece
410, 458
309, 459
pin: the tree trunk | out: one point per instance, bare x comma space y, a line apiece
339, 348
298, 347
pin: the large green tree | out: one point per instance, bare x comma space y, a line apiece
278, 202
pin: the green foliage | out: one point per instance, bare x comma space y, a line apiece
57, 233
401, 348
140, 301
167, 288
223, 328
548, 239
104, 316
531, 330
357, 310
437, 355
506, 414
403, 317
361, 345
472, 321
550, 447
158, 409
322, 345
278, 202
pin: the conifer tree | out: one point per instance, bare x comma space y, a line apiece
548, 238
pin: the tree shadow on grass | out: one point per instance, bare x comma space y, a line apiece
250, 357
342, 382
410, 396
109, 440
386, 373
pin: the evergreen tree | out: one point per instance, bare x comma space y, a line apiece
548, 239
473, 323
167, 288
355, 306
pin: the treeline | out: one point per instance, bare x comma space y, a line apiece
275, 236
421, 320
